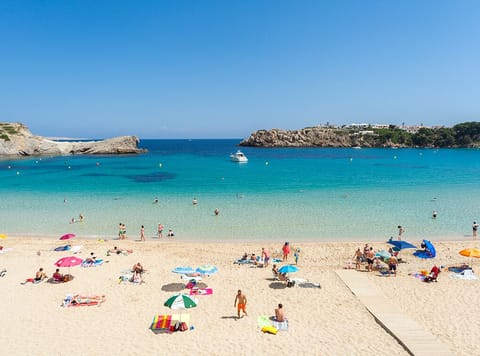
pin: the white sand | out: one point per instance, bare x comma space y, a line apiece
323, 321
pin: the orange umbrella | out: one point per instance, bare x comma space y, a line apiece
470, 252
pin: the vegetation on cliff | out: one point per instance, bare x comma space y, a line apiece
466, 134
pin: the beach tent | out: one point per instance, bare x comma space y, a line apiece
429, 251
401, 244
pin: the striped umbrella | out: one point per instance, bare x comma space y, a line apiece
181, 301
183, 270
207, 269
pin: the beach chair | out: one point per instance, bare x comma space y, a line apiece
166, 323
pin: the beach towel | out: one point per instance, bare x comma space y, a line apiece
465, 274
62, 248
281, 325
199, 291
166, 323
86, 301
98, 262
4, 250
263, 321
243, 262
191, 278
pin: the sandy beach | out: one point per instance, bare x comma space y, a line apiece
322, 321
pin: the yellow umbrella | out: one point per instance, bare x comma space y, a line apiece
3, 236
470, 252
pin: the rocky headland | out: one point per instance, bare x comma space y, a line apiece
461, 135
17, 140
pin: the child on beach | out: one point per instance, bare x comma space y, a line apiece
296, 255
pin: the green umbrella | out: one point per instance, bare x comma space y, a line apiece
181, 301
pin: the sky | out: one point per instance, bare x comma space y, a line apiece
223, 69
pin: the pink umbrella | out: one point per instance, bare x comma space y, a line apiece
67, 236
69, 261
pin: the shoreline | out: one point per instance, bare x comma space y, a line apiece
446, 238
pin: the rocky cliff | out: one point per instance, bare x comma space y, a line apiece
16, 139
312, 137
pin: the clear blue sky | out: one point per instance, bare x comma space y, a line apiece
212, 69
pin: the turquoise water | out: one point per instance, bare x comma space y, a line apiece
281, 194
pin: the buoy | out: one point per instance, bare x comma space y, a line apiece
160, 165
266, 163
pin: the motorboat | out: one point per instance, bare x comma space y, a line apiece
238, 157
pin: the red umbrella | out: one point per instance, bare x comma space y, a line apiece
67, 236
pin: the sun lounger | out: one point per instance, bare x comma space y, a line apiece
165, 323
198, 291
188, 278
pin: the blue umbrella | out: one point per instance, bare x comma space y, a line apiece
400, 244
288, 269
183, 270
428, 252
207, 269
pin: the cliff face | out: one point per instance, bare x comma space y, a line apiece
16, 139
311, 137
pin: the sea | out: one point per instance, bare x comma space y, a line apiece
281, 194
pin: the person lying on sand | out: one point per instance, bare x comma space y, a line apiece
118, 251
82, 299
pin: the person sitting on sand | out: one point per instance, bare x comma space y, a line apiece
280, 314
433, 275
275, 271
244, 257
136, 277
57, 276
138, 268
283, 277
40, 275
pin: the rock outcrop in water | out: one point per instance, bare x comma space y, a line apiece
308, 137
17, 140
465, 134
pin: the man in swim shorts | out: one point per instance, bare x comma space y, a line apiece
242, 303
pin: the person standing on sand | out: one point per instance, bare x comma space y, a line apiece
400, 231
265, 256
286, 251
142, 233
241, 299
357, 257
474, 230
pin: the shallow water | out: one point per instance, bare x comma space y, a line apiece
308, 194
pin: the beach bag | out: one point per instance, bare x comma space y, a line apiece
183, 326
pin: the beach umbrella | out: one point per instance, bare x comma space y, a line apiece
3, 236
288, 269
470, 252
400, 244
183, 270
69, 261
207, 269
429, 251
181, 301
383, 254
67, 236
